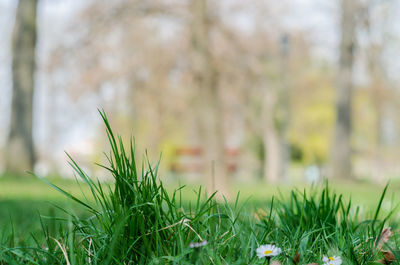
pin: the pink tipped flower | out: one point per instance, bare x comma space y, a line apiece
268, 251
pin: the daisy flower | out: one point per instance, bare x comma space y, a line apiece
268, 251
198, 244
334, 260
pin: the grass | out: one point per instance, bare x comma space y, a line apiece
34, 189
137, 220
364, 193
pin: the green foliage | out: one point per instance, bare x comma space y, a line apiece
136, 221
321, 223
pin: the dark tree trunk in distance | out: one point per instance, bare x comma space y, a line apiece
20, 150
341, 160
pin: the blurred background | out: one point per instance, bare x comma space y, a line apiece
229, 91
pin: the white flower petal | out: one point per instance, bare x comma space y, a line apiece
333, 260
272, 249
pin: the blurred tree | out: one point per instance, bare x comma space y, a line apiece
375, 23
273, 164
277, 114
155, 69
341, 157
20, 148
208, 101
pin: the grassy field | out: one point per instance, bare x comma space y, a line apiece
33, 189
138, 220
23, 200
28, 204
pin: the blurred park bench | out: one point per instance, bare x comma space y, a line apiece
191, 160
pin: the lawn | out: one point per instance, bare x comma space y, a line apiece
22, 201
138, 220
26, 205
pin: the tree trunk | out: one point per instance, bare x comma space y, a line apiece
341, 159
273, 164
378, 89
208, 101
276, 119
377, 86
20, 149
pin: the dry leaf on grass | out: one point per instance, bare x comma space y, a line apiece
296, 259
388, 258
383, 238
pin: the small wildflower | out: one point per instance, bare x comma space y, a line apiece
268, 251
334, 260
198, 244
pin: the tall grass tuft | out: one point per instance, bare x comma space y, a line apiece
320, 222
135, 220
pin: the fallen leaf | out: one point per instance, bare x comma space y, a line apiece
383, 238
296, 258
388, 258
